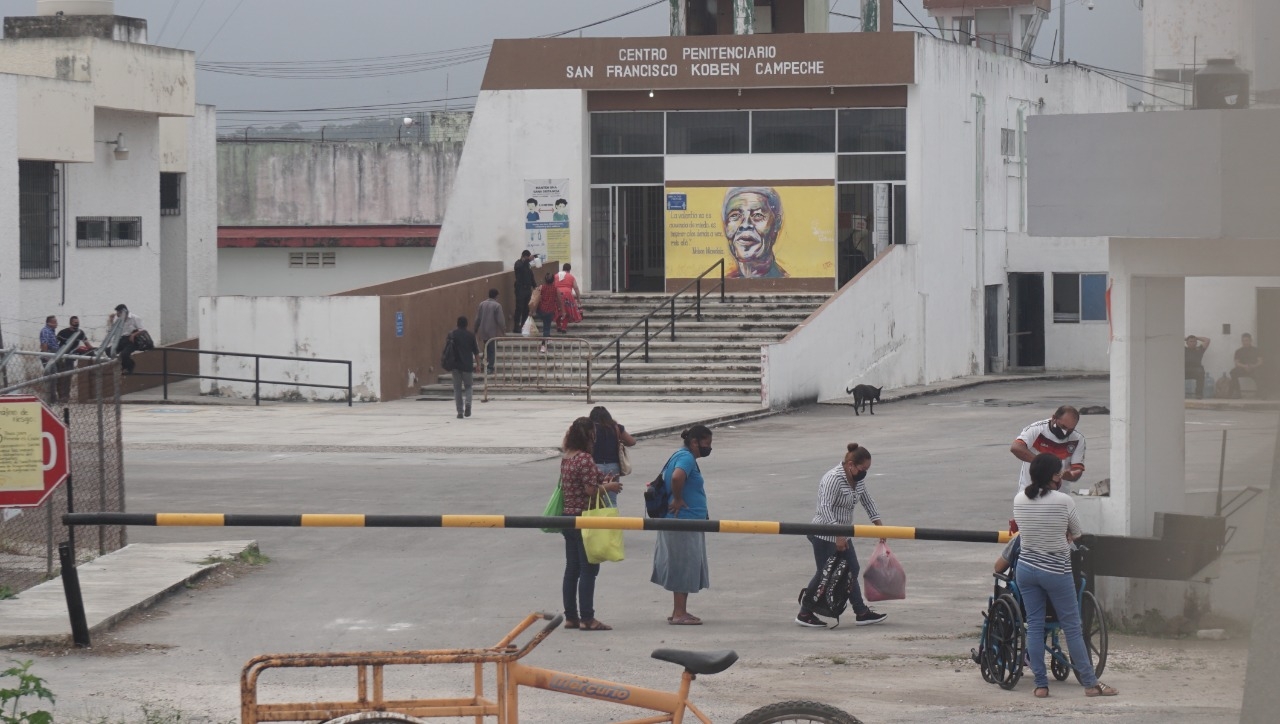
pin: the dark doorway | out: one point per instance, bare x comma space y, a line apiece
628, 248
1268, 340
991, 328
1026, 320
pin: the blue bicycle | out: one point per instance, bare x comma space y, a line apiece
1002, 645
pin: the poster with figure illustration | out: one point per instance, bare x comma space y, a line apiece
774, 231
546, 218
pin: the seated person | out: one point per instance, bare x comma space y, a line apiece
1248, 360
1008, 560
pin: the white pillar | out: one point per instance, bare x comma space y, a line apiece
1148, 423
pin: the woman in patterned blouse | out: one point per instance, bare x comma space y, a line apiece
580, 482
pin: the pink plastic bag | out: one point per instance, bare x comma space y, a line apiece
884, 579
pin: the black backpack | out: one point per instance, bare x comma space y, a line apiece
831, 596
657, 496
449, 357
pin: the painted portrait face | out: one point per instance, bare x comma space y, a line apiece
751, 226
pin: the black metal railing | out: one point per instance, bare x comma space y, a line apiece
666, 305
257, 380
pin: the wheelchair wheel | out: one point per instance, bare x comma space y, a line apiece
1093, 623
1005, 643
1061, 669
798, 711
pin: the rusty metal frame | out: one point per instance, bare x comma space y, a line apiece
504, 705
541, 364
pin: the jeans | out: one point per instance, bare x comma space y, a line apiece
1036, 587
490, 352
822, 550
579, 588
1197, 374
522, 307
461, 389
611, 469
546, 318
125, 349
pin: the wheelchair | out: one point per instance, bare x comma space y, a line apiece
1002, 645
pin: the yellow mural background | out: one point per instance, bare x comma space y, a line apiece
805, 249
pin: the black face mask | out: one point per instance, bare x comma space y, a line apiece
1058, 431
704, 450
861, 474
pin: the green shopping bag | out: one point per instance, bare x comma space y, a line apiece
602, 544
555, 507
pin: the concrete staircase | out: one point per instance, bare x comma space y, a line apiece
717, 359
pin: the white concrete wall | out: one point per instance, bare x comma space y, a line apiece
328, 327
867, 333
328, 184
189, 241
94, 280
1212, 302
10, 312
55, 120
517, 135
252, 272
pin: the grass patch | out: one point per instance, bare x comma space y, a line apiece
7, 593
249, 557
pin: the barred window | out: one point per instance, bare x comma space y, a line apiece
108, 231
312, 259
171, 194
38, 208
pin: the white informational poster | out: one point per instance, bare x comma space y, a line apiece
546, 218
882, 238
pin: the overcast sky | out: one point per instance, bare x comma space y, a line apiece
307, 30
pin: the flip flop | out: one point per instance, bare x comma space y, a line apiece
1100, 690
594, 625
685, 621
570, 623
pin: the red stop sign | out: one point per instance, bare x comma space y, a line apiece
54, 461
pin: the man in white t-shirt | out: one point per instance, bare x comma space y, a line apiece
1057, 435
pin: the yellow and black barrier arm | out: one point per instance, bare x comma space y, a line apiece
357, 520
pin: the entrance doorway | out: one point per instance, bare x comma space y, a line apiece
628, 235
991, 329
1026, 320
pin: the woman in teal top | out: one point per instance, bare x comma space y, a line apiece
680, 558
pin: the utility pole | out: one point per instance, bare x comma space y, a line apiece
1062, 31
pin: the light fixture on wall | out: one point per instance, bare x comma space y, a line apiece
122, 151
650, 94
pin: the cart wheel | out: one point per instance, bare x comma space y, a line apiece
1093, 622
376, 717
1006, 640
798, 711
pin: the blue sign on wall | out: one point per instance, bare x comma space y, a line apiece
399, 324
677, 202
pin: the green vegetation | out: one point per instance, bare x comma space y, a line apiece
29, 686
248, 556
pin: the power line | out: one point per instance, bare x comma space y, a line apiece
372, 106
220, 27
165, 25
189, 22
913, 17
606, 20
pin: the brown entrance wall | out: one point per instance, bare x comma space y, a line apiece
429, 315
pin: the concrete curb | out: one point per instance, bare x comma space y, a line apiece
38, 615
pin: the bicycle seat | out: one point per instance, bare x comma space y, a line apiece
698, 662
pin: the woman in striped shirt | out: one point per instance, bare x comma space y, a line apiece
837, 498
1047, 525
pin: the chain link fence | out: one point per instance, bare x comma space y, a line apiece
85, 393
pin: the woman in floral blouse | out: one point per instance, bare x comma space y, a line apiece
580, 482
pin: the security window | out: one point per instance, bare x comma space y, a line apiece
873, 130
872, 167
1008, 142
170, 194
708, 132
1079, 298
108, 231
793, 132
626, 134
38, 220
312, 259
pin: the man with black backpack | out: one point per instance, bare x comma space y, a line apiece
461, 358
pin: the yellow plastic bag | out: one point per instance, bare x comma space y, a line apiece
601, 544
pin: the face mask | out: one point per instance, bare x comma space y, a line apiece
704, 450
861, 474
1058, 431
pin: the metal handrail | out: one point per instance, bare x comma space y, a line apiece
670, 301
257, 380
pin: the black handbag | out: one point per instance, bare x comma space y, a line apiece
142, 341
